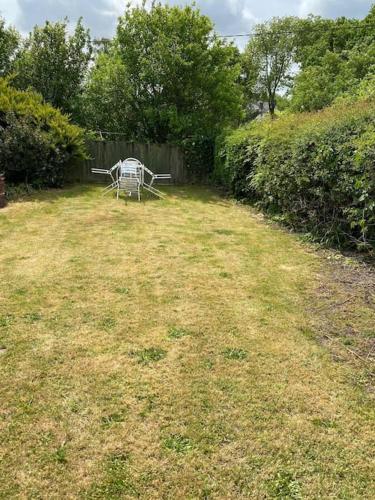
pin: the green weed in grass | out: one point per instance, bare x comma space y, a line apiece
208, 363
178, 443
60, 455
235, 354
150, 404
32, 317
151, 355
6, 320
284, 487
108, 323
113, 418
225, 275
117, 481
177, 333
324, 422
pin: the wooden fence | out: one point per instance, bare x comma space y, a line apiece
160, 158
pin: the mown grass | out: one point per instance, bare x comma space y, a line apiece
164, 350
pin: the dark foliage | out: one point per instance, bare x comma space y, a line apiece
37, 142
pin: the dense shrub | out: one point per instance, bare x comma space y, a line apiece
37, 142
235, 157
199, 157
21, 191
316, 171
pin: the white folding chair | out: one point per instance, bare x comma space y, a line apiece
130, 177
111, 172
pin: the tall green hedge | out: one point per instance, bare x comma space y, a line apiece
315, 171
37, 142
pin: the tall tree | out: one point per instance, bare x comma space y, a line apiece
334, 57
54, 63
268, 60
9, 41
315, 36
182, 77
106, 102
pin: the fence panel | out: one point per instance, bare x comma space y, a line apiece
160, 158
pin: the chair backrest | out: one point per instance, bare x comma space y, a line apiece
131, 167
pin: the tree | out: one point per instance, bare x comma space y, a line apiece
334, 57
9, 41
268, 60
313, 89
106, 102
54, 63
315, 36
182, 77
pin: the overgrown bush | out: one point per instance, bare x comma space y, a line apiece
235, 157
21, 191
199, 157
37, 142
315, 171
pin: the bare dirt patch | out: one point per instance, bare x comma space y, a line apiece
343, 312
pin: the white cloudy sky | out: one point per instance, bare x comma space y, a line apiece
230, 16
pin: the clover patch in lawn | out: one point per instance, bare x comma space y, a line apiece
235, 354
178, 443
178, 333
150, 355
122, 290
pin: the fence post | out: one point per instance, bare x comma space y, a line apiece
3, 200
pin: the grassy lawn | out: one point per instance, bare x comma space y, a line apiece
164, 350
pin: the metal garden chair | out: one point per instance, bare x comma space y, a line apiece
157, 177
112, 173
130, 177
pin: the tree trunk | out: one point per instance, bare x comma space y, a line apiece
272, 105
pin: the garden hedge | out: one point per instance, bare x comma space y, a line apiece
313, 171
37, 142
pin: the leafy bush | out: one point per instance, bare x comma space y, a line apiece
199, 157
234, 161
18, 191
315, 171
37, 142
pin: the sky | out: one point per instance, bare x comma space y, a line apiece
230, 16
